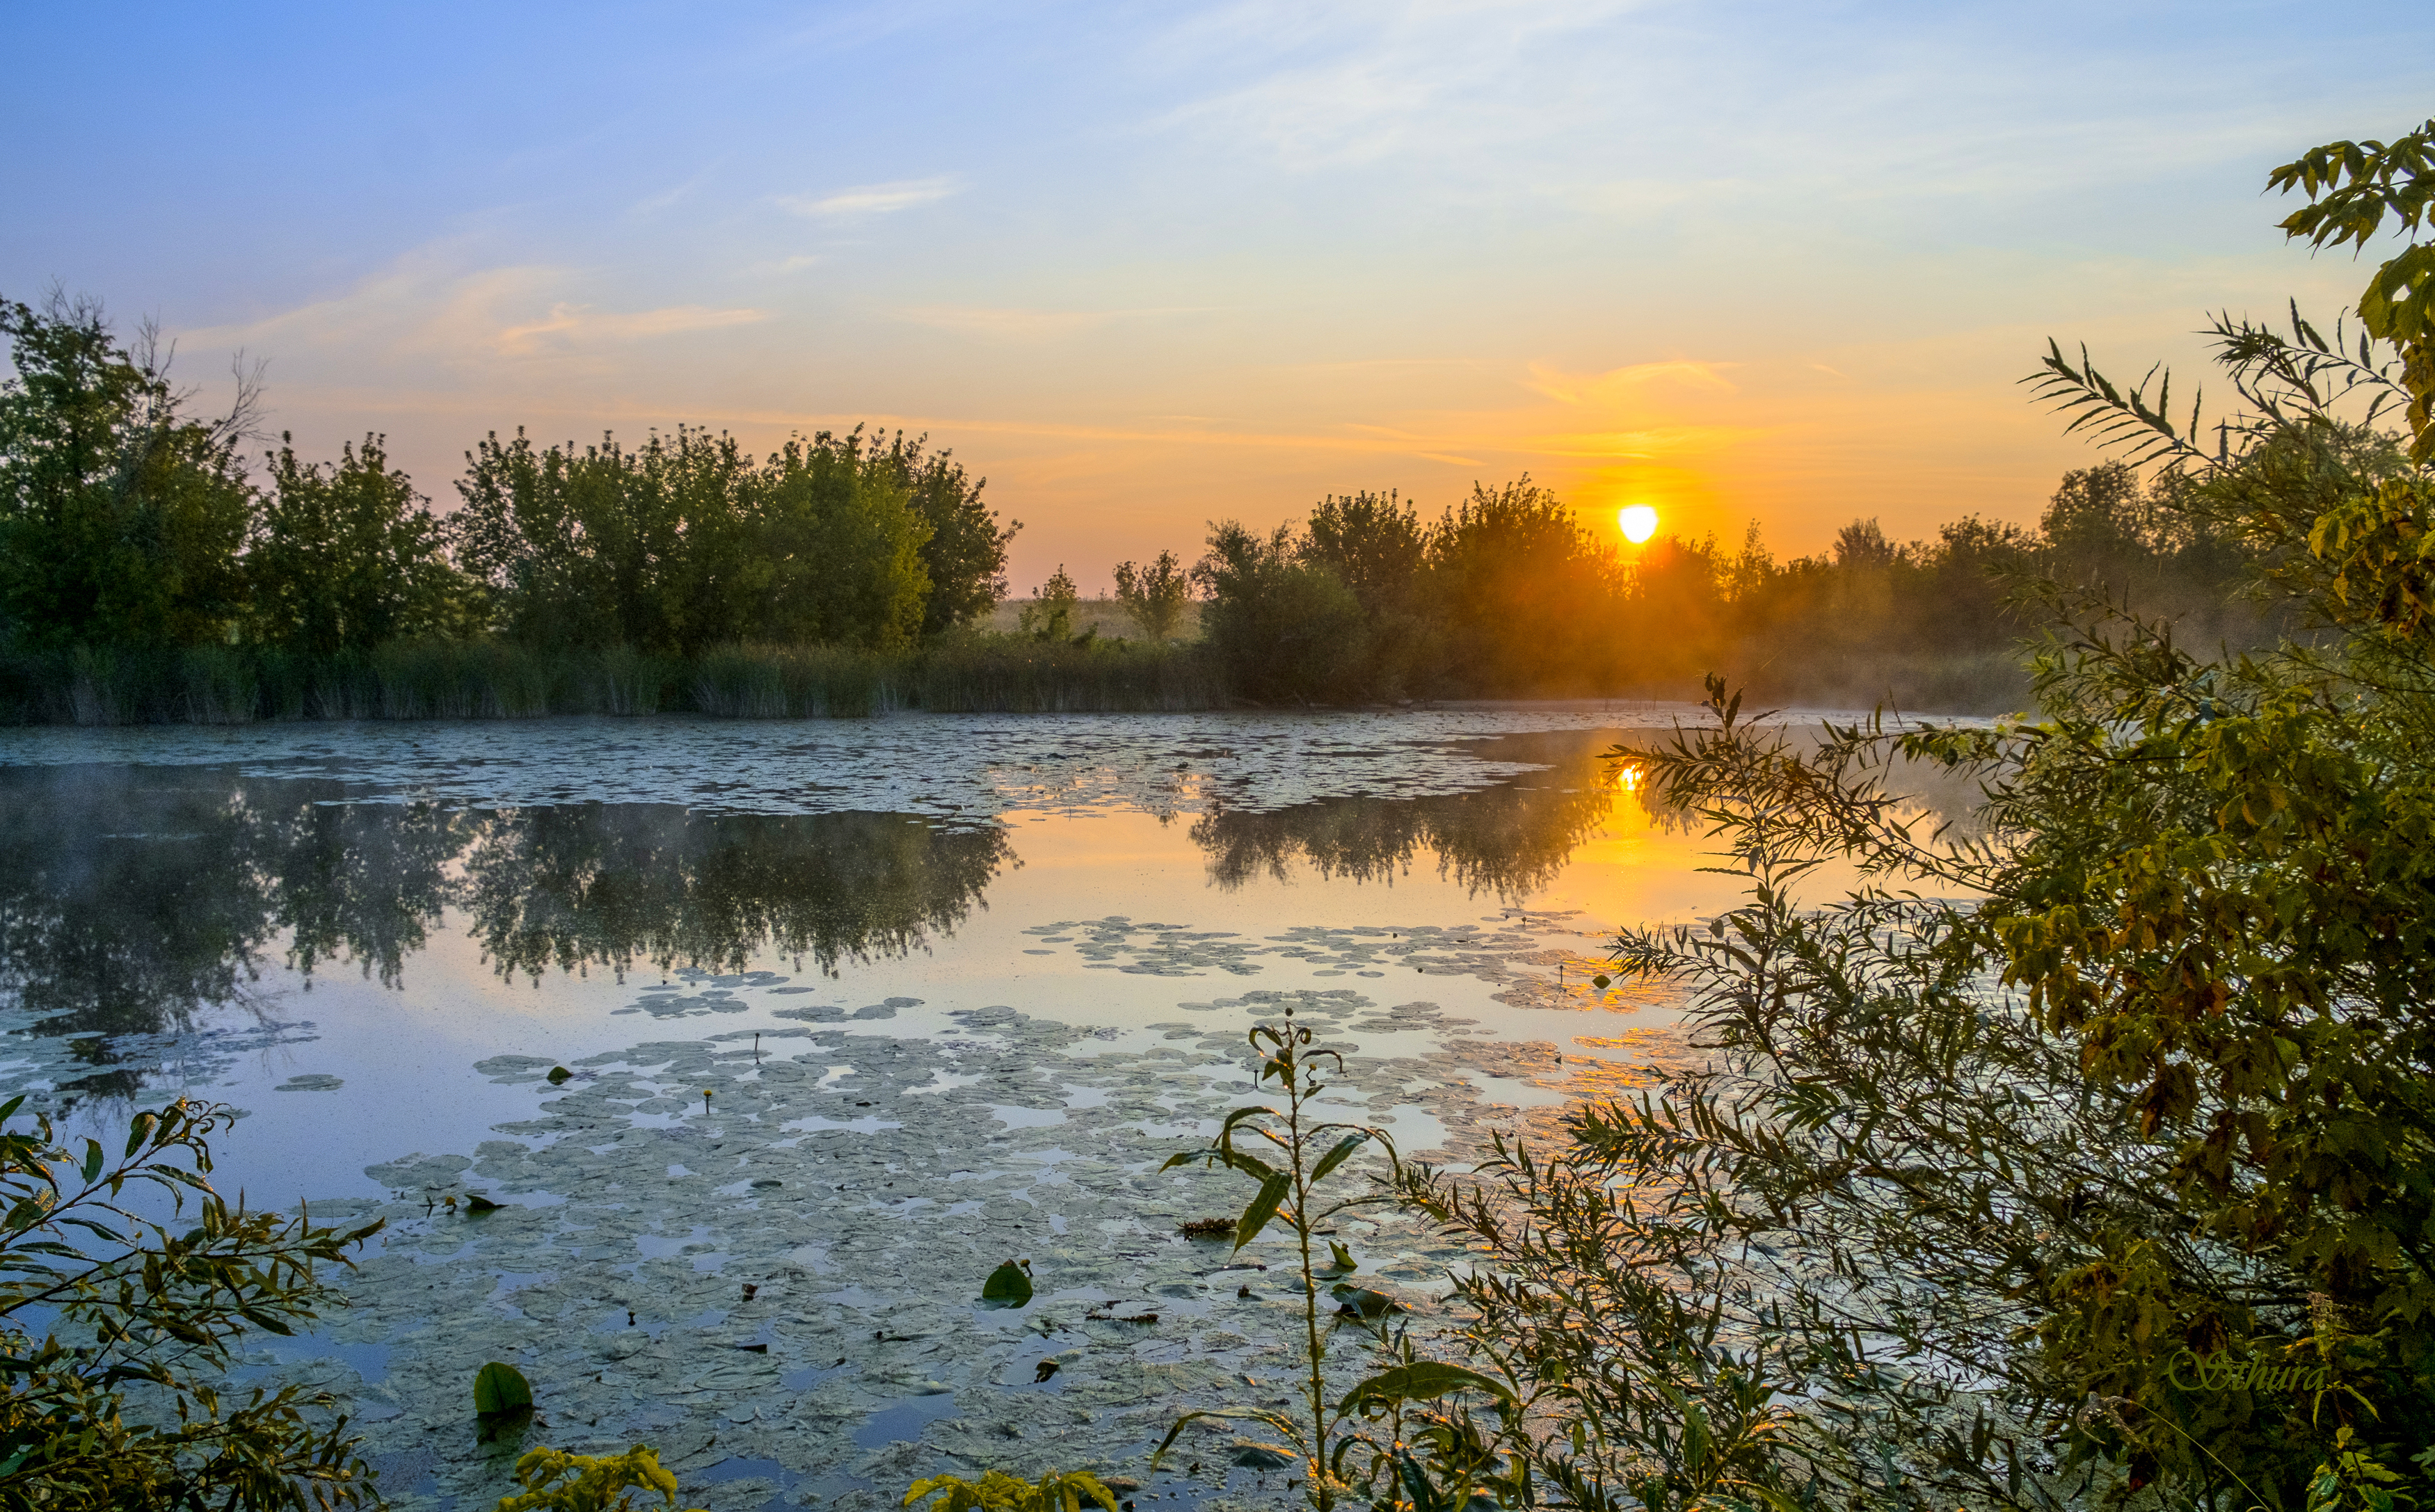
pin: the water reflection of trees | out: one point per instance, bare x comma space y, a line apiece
613, 885
132, 901
1510, 840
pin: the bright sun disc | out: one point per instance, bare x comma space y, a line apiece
1638, 521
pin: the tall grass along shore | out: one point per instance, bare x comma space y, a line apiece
491, 679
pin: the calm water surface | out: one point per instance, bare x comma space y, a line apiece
960, 984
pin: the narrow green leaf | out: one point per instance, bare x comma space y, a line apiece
1343, 1151
1263, 1207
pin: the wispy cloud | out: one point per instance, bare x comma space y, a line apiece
1022, 324
653, 204
1619, 385
577, 322
428, 305
1355, 80
874, 198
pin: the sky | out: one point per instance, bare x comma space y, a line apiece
1146, 265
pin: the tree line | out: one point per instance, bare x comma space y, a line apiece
1512, 592
128, 521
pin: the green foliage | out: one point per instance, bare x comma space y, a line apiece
686, 543
555, 1481
347, 558
1154, 595
833, 527
1050, 616
2352, 186
121, 517
1286, 631
964, 556
973, 673
1527, 590
500, 1388
445, 680
998, 1492
1374, 544
120, 1403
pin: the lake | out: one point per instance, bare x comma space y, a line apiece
850, 1013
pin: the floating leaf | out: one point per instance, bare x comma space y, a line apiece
1361, 1302
1339, 1261
1421, 1381
1010, 1286
476, 1202
499, 1388
560, 1075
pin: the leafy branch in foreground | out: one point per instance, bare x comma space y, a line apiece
998, 1492
2353, 187
555, 1481
2093, 1157
124, 1411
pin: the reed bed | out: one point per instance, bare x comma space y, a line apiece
1012, 674
485, 679
974, 672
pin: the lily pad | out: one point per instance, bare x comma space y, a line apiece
1010, 1286
500, 1388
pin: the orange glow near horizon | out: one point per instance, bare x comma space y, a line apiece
1638, 521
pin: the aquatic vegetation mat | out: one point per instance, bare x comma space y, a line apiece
770, 1252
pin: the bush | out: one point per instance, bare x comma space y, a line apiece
125, 1410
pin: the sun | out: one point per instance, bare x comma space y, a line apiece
1638, 521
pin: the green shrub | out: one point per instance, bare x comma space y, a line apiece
120, 1404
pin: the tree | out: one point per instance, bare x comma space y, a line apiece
1154, 596
1862, 544
844, 543
1285, 631
1375, 545
1050, 613
1527, 593
573, 548
127, 1411
347, 557
121, 517
964, 558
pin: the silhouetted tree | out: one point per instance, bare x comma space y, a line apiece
121, 516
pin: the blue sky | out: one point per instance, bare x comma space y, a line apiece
1146, 264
